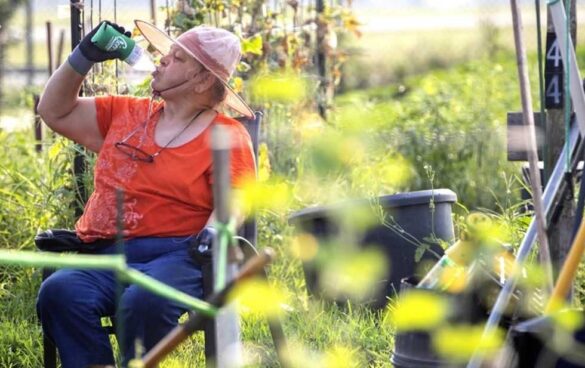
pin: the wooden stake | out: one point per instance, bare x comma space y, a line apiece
60, 46
535, 180
37, 125
50, 47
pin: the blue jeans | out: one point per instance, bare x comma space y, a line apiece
71, 302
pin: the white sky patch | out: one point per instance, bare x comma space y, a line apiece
13, 123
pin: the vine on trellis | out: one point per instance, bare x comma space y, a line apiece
279, 43
279, 46
277, 36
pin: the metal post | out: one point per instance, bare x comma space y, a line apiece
153, 11
60, 46
576, 88
37, 125
321, 60
120, 332
532, 150
555, 130
560, 229
79, 163
50, 66
29, 43
225, 267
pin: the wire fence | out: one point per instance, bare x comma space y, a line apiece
456, 21
398, 37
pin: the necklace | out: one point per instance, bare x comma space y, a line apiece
138, 154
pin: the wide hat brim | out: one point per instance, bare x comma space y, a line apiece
163, 42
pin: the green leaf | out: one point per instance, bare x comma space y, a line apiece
420, 251
252, 45
180, 20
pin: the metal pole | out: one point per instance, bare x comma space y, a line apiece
557, 11
321, 60
50, 47
29, 43
79, 163
535, 180
37, 125
60, 46
153, 11
561, 228
168, 20
225, 266
120, 328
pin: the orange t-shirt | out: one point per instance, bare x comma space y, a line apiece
171, 196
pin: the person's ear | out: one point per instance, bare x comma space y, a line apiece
203, 81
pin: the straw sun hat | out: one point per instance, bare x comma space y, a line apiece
216, 49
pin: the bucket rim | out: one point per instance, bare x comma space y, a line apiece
404, 360
405, 199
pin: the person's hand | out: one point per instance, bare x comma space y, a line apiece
200, 246
92, 52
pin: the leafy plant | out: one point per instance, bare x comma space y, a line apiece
7, 9
441, 121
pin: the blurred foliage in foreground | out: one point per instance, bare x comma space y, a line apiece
454, 122
444, 129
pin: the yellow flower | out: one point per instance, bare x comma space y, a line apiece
458, 343
263, 162
282, 87
255, 196
419, 310
340, 357
304, 246
355, 275
257, 296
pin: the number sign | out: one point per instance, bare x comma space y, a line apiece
553, 73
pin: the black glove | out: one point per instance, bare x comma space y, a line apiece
87, 53
200, 246
94, 53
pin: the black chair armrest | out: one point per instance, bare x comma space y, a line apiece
62, 240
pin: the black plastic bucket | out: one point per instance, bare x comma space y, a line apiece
532, 342
412, 214
414, 349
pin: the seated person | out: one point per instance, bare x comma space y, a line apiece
158, 153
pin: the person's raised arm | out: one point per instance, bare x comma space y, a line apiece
60, 105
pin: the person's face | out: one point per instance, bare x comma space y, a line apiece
175, 68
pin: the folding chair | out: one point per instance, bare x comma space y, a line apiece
247, 231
